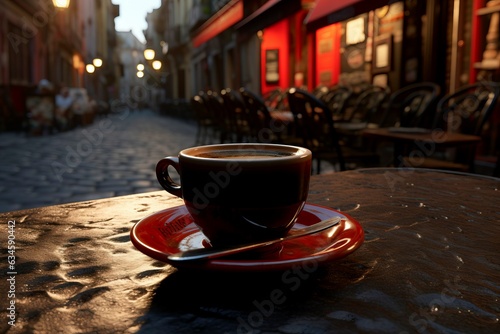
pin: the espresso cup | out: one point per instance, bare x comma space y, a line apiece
239, 193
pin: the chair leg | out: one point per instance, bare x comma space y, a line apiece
201, 135
318, 165
496, 171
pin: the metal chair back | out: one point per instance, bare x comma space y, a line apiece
411, 106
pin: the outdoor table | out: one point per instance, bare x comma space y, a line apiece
424, 140
429, 264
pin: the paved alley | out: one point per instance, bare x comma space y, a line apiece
114, 156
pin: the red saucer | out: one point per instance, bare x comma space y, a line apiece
172, 230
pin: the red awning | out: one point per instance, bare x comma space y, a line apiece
265, 7
226, 17
268, 14
327, 12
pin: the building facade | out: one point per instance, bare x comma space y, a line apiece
130, 53
41, 42
264, 45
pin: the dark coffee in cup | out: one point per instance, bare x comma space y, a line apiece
240, 192
233, 154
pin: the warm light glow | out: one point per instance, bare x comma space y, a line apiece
140, 74
140, 67
90, 68
61, 3
97, 62
260, 34
76, 61
149, 54
156, 64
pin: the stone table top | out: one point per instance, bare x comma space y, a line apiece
429, 263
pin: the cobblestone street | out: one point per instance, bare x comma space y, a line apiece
114, 156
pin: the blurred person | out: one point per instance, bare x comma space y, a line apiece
64, 114
40, 109
80, 105
45, 87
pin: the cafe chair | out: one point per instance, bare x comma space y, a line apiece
313, 121
235, 111
275, 99
259, 116
465, 111
367, 107
320, 91
363, 111
337, 98
217, 109
411, 106
264, 127
206, 127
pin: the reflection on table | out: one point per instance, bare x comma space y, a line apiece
429, 263
282, 115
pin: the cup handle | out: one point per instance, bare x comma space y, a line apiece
164, 178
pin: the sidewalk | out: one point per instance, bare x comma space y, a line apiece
114, 156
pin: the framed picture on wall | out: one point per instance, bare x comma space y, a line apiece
272, 66
382, 54
355, 31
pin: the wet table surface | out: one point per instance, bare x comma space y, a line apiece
429, 263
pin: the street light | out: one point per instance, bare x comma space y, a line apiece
156, 64
90, 68
61, 3
149, 54
140, 67
97, 62
140, 74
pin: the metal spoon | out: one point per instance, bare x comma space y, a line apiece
211, 253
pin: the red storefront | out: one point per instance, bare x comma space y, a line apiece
342, 35
278, 25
